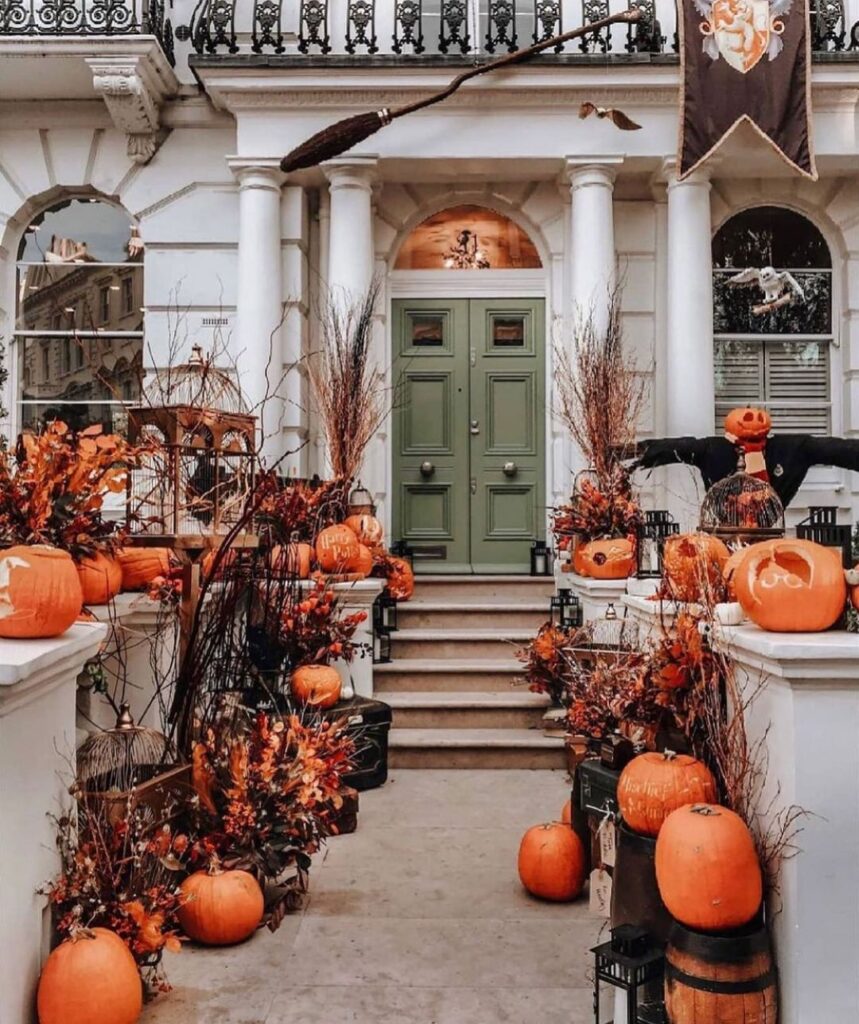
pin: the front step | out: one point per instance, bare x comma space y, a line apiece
430, 710
447, 615
474, 748
472, 589
459, 644
410, 675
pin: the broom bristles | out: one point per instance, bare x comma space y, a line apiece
332, 141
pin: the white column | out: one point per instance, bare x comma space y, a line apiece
687, 373
350, 240
593, 256
257, 343
689, 383
37, 744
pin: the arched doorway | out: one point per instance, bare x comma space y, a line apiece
781, 360
78, 342
469, 430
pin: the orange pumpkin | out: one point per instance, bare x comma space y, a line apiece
693, 564
40, 592
101, 578
316, 685
400, 579
208, 561
552, 862
729, 571
225, 906
612, 559
707, 868
295, 558
748, 424
336, 549
364, 562
90, 978
791, 586
140, 566
653, 785
367, 529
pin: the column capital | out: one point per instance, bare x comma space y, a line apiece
351, 172
581, 171
263, 172
668, 174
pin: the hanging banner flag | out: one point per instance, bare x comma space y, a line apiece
746, 60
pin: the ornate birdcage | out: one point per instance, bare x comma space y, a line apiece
742, 509
192, 489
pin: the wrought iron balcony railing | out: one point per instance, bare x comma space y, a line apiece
89, 18
456, 27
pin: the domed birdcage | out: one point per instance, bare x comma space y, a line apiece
194, 486
742, 509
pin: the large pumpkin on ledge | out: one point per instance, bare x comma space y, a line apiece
707, 868
140, 566
791, 586
337, 549
611, 559
101, 578
40, 592
693, 564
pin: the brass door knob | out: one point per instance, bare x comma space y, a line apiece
427, 469
510, 469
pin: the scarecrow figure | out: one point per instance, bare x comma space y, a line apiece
782, 460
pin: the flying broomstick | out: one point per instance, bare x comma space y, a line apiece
337, 138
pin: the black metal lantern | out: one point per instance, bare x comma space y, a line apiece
384, 623
566, 610
628, 961
822, 527
658, 525
361, 502
541, 559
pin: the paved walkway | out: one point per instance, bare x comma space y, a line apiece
417, 918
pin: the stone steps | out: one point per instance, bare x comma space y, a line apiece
470, 589
459, 644
511, 709
454, 683
407, 675
437, 615
474, 748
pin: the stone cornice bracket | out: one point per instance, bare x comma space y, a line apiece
133, 92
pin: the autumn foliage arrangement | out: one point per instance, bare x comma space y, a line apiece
54, 484
267, 789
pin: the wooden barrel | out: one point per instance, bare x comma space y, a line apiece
720, 979
635, 896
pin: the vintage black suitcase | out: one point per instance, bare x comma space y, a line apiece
597, 788
369, 724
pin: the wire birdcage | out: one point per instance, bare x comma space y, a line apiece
194, 486
742, 509
121, 758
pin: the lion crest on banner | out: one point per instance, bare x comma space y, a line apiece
742, 31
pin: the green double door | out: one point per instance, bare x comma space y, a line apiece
469, 432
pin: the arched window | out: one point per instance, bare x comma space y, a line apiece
79, 320
778, 359
468, 238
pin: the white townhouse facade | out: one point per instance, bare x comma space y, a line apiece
152, 133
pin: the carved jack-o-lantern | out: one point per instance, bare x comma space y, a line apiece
605, 559
791, 586
748, 424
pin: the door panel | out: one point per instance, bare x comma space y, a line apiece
431, 430
468, 432
507, 452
